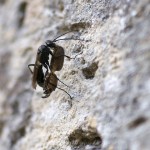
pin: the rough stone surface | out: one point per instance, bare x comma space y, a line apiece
109, 81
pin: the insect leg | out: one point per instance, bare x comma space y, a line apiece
30, 68
46, 67
47, 95
77, 54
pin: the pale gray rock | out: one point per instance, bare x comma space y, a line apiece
109, 80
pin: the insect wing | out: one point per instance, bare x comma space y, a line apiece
57, 60
35, 71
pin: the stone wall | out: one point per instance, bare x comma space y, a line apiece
109, 81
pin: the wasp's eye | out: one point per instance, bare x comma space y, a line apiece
39, 51
50, 44
41, 48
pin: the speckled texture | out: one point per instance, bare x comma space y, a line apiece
109, 80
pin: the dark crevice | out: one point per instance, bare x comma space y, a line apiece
80, 139
21, 14
1, 126
89, 72
61, 6
75, 26
16, 135
137, 122
2, 2
4, 65
20, 130
20, 107
80, 25
26, 51
15, 107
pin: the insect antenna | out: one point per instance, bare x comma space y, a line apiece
73, 57
30, 68
65, 92
61, 89
61, 81
57, 88
67, 39
62, 35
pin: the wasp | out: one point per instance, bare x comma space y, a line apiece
42, 60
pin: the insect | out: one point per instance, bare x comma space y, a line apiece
48, 81
50, 84
42, 60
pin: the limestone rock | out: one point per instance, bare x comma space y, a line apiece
109, 80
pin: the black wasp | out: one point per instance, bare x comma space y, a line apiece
46, 80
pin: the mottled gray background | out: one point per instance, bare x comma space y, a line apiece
110, 80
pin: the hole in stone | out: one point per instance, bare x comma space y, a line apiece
61, 5
15, 106
2, 2
1, 126
80, 139
26, 51
21, 13
89, 72
16, 135
73, 72
4, 71
80, 25
75, 26
137, 122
